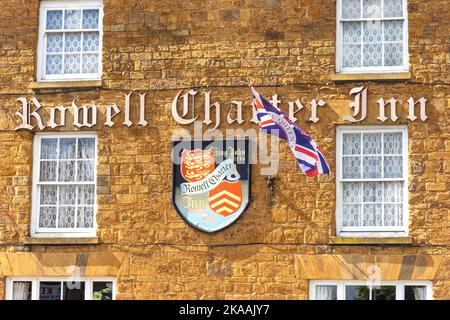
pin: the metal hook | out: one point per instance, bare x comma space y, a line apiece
270, 183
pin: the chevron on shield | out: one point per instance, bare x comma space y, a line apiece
226, 198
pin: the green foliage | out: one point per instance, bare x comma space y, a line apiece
104, 294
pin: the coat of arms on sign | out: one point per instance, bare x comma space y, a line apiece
211, 182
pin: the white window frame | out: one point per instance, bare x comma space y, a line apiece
46, 5
36, 231
399, 287
380, 231
88, 285
373, 69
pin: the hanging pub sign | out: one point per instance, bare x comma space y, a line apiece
211, 182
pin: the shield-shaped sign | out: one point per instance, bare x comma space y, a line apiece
211, 182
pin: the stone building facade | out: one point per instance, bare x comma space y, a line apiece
288, 243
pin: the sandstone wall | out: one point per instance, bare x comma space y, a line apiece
265, 254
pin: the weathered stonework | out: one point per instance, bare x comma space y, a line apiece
168, 44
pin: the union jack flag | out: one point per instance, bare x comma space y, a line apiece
273, 121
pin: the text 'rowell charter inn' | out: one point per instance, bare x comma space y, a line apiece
132, 165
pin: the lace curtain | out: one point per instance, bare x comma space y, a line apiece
72, 52
21, 290
372, 43
326, 292
415, 292
66, 205
372, 156
419, 293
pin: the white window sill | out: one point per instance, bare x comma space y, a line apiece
38, 85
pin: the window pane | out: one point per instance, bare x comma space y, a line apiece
67, 194
351, 9
352, 32
90, 19
351, 192
326, 293
393, 215
393, 8
91, 41
393, 192
54, 20
372, 215
415, 292
50, 291
86, 194
67, 148
53, 64
393, 166
85, 218
357, 293
383, 293
72, 63
372, 143
47, 217
73, 42
54, 42
372, 31
73, 290
373, 192
351, 167
351, 215
393, 143
85, 170
21, 290
48, 194
393, 54
47, 171
372, 8
66, 171
66, 217
372, 167
67, 205
351, 55
72, 19
393, 30
90, 63
49, 148
372, 55
86, 148
351, 143
102, 291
